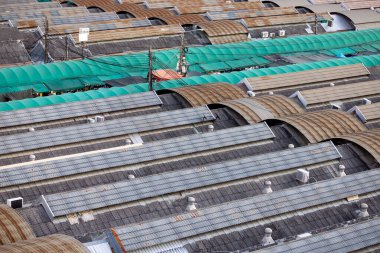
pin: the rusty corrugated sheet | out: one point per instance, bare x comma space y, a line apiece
47, 244
223, 27
132, 33
210, 93
324, 125
13, 227
368, 140
134, 9
184, 19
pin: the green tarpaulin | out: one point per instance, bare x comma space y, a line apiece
233, 78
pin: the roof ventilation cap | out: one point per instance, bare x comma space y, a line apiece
251, 93
31, 129
128, 142
130, 177
91, 120
291, 146
99, 119
341, 169
210, 128
363, 212
367, 101
267, 239
304, 235
32, 158
332, 84
191, 204
271, 93
267, 187
303, 176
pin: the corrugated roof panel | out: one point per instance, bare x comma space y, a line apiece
78, 109
320, 96
324, 125
118, 127
344, 239
368, 140
305, 78
222, 216
123, 192
72, 165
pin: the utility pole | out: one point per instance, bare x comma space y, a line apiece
46, 40
150, 73
182, 57
67, 48
316, 23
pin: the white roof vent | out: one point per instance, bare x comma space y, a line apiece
32, 158
210, 128
91, 120
363, 212
31, 129
128, 142
267, 239
332, 84
267, 187
291, 146
99, 119
130, 177
367, 101
270, 93
251, 93
341, 170
15, 202
303, 176
304, 235
191, 204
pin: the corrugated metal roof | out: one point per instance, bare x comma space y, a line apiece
13, 227
262, 12
224, 31
100, 25
323, 125
368, 113
262, 108
367, 4
155, 232
16, 7
362, 16
90, 17
132, 33
152, 186
210, 93
315, 97
292, 3
80, 164
284, 20
368, 140
112, 128
305, 78
344, 239
72, 109
47, 244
